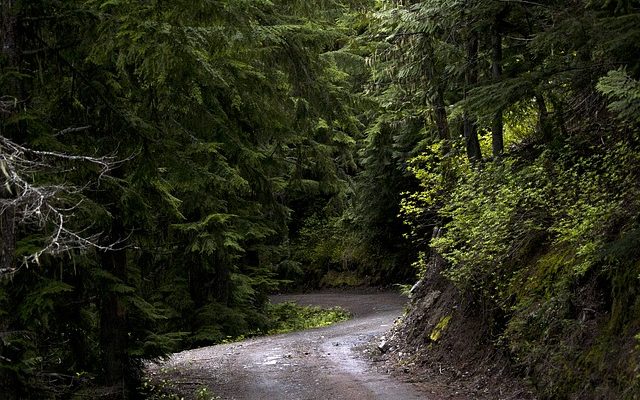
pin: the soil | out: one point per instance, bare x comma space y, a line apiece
342, 361
444, 343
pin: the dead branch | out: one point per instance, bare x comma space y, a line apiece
47, 205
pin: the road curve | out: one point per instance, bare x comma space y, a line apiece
313, 364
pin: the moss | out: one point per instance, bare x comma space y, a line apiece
437, 332
571, 354
625, 291
548, 271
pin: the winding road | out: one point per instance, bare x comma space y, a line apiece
314, 364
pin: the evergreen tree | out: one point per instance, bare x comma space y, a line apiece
219, 117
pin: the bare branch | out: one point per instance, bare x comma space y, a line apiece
73, 130
531, 3
21, 153
47, 205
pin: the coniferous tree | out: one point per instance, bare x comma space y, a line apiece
195, 100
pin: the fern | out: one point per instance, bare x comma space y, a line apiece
624, 94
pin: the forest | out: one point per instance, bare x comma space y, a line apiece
165, 166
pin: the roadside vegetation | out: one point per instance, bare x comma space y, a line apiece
289, 317
527, 211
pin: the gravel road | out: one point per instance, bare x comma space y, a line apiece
314, 364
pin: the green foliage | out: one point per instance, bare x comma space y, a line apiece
528, 236
624, 91
289, 317
269, 142
522, 236
230, 121
342, 279
321, 246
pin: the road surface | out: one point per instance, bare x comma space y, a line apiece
314, 364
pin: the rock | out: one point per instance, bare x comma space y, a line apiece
429, 300
384, 346
415, 287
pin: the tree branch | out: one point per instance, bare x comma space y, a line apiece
41, 205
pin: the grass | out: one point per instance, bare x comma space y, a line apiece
288, 317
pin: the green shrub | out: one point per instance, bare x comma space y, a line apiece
289, 317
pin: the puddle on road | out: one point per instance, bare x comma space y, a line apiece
272, 360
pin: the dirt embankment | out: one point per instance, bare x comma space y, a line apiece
442, 345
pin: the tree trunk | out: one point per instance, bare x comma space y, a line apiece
436, 94
8, 379
221, 284
440, 112
113, 321
470, 129
497, 129
558, 112
9, 384
7, 234
11, 56
9, 39
544, 125
79, 342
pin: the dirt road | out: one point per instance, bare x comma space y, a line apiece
314, 364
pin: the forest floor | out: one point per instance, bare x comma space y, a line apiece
334, 362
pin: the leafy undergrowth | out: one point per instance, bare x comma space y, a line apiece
166, 390
288, 317
540, 260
